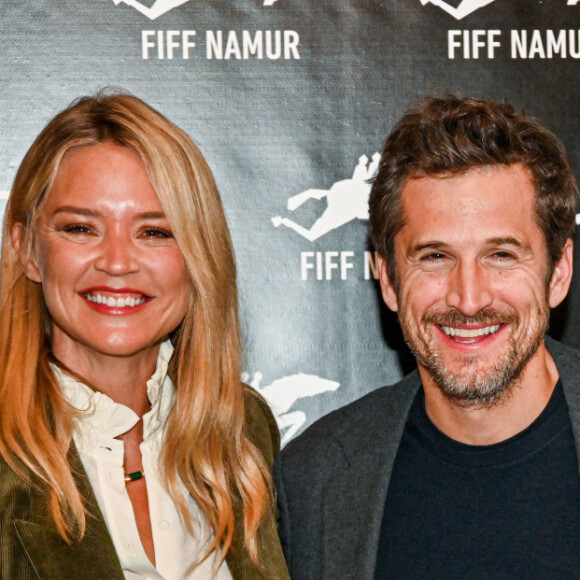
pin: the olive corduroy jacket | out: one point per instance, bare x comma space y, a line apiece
30, 547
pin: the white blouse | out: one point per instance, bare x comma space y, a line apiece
102, 455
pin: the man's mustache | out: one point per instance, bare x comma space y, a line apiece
486, 316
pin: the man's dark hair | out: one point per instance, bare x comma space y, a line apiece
449, 136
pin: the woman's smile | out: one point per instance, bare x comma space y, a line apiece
116, 302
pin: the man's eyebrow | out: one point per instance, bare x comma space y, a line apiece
508, 241
437, 245
434, 245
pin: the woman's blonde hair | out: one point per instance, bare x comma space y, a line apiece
206, 445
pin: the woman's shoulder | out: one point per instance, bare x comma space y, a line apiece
261, 425
9, 479
16, 496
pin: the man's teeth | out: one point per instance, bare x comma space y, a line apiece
470, 332
115, 302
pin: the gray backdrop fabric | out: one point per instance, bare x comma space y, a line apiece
290, 102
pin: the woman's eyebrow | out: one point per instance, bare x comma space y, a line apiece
147, 215
151, 215
77, 210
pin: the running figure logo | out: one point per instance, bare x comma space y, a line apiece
461, 10
346, 200
160, 7
284, 392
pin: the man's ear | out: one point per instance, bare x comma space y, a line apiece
387, 286
27, 258
561, 275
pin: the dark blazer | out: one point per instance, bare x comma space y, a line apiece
332, 481
30, 547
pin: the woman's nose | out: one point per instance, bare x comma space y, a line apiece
117, 254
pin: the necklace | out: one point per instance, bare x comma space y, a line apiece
134, 476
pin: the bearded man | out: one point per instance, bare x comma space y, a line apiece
468, 467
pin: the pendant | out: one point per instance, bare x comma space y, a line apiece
136, 475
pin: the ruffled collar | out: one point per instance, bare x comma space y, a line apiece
101, 418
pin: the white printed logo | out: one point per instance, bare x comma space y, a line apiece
160, 7
284, 392
464, 8
346, 200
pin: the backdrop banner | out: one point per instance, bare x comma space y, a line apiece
290, 101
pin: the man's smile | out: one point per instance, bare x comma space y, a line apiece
469, 335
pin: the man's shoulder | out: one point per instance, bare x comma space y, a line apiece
567, 361
383, 409
566, 357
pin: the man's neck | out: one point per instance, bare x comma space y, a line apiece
515, 411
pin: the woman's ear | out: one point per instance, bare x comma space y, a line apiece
27, 259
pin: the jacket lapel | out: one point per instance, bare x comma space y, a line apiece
94, 557
568, 363
355, 499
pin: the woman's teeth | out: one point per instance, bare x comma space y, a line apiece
115, 302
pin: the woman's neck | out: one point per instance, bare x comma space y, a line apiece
123, 379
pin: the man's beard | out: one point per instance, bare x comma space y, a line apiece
478, 382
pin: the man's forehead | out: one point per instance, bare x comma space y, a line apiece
460, 188
485, 171
483, 203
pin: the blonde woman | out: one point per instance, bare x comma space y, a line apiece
128, 446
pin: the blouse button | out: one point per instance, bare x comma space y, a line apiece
163, 525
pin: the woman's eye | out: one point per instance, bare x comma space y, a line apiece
153, 233
76, 229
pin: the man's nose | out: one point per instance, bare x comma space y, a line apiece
117, 254
469, 288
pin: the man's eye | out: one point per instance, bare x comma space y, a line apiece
433, 257
153, 233
503, 256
